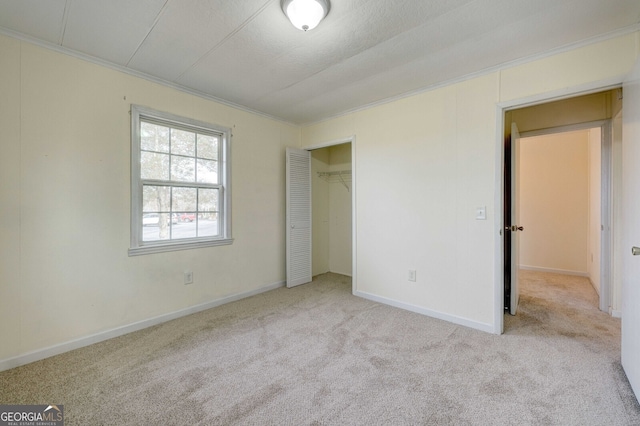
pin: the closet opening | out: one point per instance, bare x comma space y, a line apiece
331, 206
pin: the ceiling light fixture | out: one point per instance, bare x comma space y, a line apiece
305, 14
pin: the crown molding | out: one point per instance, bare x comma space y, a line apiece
139, 74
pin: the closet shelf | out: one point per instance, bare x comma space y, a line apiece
339, 176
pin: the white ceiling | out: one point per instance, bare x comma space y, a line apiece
247, 53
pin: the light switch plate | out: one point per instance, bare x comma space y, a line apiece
481, 213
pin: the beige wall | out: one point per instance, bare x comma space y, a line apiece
10, 205
565, 112
434, 158
608, 62
65, 197
425, 163
554, 202
423, 166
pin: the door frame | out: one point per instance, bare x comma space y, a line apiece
499, 221
352, 140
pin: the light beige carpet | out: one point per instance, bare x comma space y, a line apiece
317, 355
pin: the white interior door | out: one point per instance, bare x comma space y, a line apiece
515, 219
298, 216
631, 233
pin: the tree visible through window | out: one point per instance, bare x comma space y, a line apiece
180, 187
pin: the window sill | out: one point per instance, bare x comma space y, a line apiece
175, 246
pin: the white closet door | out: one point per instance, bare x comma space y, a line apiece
631, 232
515, 219
298, 217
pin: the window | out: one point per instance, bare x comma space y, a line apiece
180, 189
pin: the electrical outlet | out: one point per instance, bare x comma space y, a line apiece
412, 275
188, 277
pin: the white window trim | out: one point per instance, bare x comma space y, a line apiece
140, 247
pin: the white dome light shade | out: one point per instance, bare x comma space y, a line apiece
305, 14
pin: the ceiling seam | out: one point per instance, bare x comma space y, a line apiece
399, 64
225, 39
635, 28
155, 22
349, 57
65, 18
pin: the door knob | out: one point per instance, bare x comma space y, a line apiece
635, 251
520, 228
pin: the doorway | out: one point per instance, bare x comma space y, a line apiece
321, 211
560, 202
578, 114
331, 186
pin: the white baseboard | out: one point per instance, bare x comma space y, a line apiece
554, 271
39, 354
489, 328
594, 287
332, 272
615, 314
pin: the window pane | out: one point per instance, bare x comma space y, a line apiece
154, 166
207, 202
207, 209
208, 147
208, 228
172, 224
184, 230
155, 217
207, 171
187, 216
183, 143
155, 199
156, 226
154, 137
183, 169
150, 228
184, 199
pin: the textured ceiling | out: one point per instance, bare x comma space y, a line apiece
247, 53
